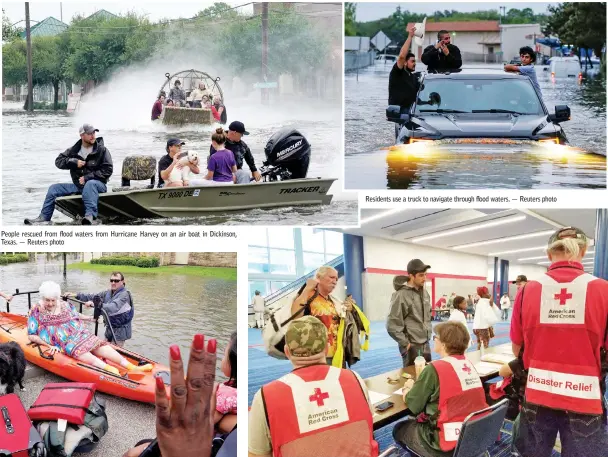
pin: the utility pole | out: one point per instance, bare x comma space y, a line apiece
30, 91
264, 52
61, 11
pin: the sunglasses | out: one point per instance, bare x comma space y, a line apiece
115, 280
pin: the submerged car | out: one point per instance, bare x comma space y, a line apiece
478, 104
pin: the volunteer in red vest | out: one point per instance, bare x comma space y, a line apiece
323, 307
314, 405
560, 323
447, 391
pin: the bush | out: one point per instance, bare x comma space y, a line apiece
5, 259
142, 262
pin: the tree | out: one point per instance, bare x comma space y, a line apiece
47, 63
9, 31
350, 11
14, 65
581, 24
218, 10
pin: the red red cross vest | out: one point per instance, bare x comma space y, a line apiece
460, 393
563, 322
316, 409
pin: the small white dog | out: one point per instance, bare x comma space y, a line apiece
182, 175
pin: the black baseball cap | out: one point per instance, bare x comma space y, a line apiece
239, 127
174, 142
417, 266
520, 278
568, 232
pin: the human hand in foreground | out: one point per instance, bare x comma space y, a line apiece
80, 163
311, 284
90, 304
411, 30
348, 304
184, 426
256, 175
81, 180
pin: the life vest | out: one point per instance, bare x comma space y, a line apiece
318, 411
460, 393
66, 400
563, 325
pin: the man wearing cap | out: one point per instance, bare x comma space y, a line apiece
241, 151
177, 94
314, 410
520, 281
560, 327
409, 318
171, 160
90, 165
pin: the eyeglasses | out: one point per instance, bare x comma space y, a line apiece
115, 280
436, 338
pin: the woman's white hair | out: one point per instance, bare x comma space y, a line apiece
49, 289
322, 271
569, 247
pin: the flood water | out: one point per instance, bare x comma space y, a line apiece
42, 136
170, 309
369, 163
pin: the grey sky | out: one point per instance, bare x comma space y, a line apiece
153, 10
372, 11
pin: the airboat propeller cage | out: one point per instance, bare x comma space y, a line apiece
288, 149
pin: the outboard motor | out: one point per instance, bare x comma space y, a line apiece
287, 156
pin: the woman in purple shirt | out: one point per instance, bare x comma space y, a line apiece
221, 168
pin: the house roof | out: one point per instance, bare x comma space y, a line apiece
47, 27
468, 26
102, 14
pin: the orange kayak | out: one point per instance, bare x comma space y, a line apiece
130, 385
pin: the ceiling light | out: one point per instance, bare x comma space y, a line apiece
545, 263
504, 240
387, 213
506, 220
513, 251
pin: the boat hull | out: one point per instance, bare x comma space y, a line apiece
196, 201
132, 386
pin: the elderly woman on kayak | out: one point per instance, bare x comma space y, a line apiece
57, 325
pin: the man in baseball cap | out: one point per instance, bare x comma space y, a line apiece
169, 161
520, 281
241, 152
90, 165
337, 397
409, 318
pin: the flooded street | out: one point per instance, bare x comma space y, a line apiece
370, 164
128, 130
169, 309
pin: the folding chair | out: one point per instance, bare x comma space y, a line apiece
478, 432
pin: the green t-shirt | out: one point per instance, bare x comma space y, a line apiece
424, 397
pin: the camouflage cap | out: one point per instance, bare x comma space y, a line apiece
306, 336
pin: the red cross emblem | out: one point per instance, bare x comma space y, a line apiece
319, 397
466, 369
563, 296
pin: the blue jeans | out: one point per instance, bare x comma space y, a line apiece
90, 195
581, 435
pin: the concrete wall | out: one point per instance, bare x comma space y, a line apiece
201, 259
467, 42
384, 259
514, 37
354, 60
394, 255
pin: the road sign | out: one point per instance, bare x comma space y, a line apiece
380, 41
266, 85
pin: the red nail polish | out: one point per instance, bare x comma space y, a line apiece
174, 351
212, 346
199, 342
160, 385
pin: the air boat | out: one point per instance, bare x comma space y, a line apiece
190, 79
284, 183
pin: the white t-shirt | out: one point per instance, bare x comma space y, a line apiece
258, 304
505, 302
459, 316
